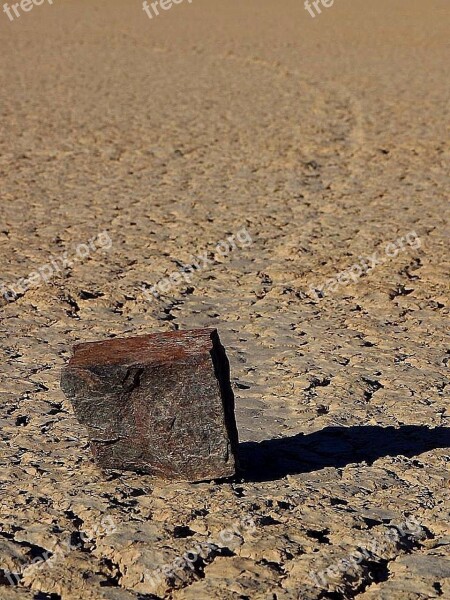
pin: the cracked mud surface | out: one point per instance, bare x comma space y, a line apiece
326, 139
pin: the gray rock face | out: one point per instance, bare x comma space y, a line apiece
160, 404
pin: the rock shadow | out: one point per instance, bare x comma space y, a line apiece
335, 447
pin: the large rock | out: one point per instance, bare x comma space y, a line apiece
160, 404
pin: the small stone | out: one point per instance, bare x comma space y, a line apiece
160, 404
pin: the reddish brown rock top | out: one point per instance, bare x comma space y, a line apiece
158, 348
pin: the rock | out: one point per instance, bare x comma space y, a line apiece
160, 404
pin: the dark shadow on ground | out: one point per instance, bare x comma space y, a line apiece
335, 447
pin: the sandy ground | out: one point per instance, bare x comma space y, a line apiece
320, 144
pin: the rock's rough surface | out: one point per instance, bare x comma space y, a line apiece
161, 403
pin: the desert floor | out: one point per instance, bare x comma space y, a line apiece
130, 146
